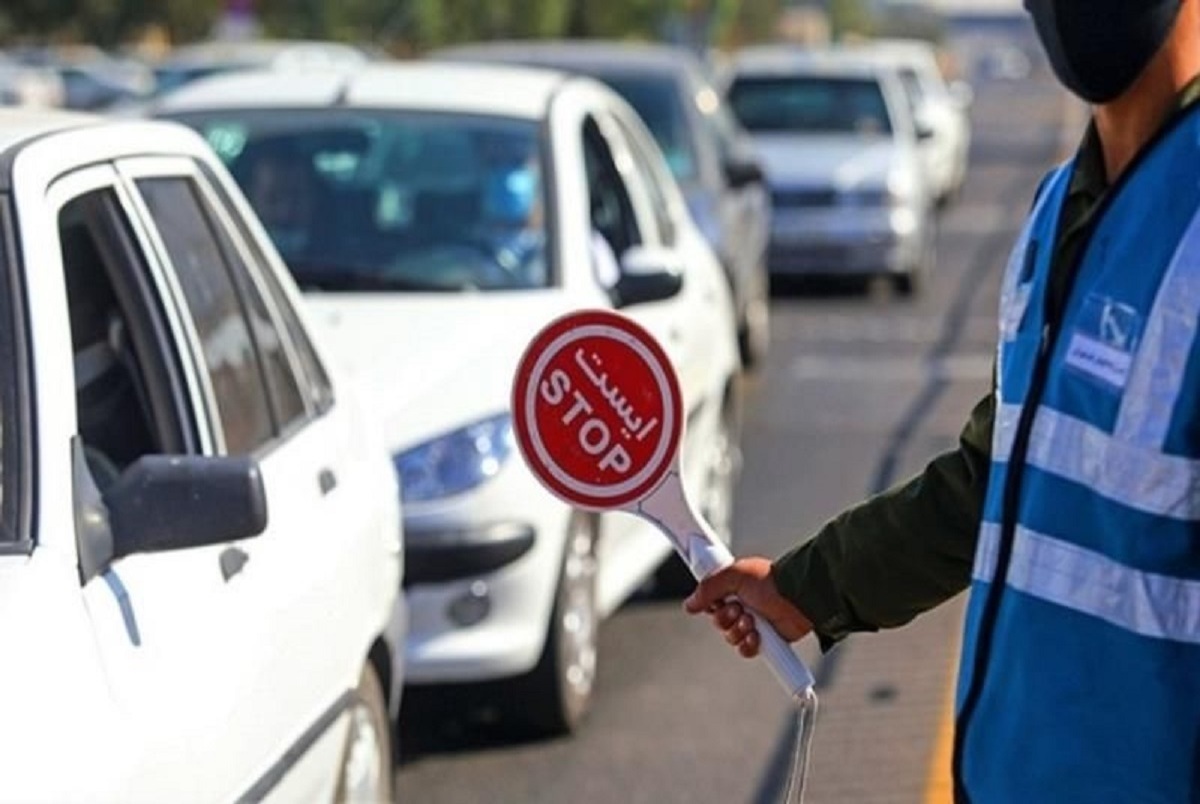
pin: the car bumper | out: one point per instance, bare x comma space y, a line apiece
845, 242
480, 582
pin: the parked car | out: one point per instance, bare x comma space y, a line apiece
438, 215
840, 147
202, 59
940, 106
710, 155
199, 536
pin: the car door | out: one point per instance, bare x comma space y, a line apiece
164, 625
307, 621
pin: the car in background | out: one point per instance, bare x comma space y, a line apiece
940, 106
841, 152
200, 540
90, 78
710, 155
438, 216
188, 63
29, 85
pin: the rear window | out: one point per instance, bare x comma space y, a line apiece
810, 105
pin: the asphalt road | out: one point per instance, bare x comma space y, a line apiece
860, 389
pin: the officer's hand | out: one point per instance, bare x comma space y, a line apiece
747, 583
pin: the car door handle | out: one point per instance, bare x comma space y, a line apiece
232, 560
327, 481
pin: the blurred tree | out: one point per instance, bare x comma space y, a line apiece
849, 18
106, 22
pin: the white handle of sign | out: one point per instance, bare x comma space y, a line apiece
704, 553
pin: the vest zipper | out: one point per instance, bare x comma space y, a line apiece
1052, 321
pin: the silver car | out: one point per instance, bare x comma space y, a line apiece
841, 153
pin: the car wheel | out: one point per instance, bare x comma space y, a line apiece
913, 281
715, 502
558, 692
366, 770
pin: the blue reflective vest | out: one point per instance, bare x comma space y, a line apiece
1080, 673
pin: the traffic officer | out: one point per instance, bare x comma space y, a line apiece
1072, 505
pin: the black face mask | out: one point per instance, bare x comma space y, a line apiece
1098, 48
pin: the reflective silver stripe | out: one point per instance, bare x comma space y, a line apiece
1151, 605
1004, 431
1160, 365
986, 552
1136, 476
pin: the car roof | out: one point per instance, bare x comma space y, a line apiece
799, 60
587, 56
262, 51
469, 88
114, 138
21, 124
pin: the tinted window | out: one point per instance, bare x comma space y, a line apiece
281, 378
810, 104
362, 201
648, 168
315, 384
611, 210
659, 102
216, 310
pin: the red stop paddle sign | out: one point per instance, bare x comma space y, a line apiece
597, 410
599, 418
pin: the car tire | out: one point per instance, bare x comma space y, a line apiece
754, 329
715, 502
366, 773
555, 697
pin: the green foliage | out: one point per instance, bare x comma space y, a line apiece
409, 25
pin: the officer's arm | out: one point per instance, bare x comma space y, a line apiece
901, 553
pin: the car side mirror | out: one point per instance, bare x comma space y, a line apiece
741, 171
648, 274
173, 502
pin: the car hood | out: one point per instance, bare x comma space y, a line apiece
430, 363
835, 161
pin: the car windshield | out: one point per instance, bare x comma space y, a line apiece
392, 201
658, 102
810, 105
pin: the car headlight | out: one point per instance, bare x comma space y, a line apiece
455, 462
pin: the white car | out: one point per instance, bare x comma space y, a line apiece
199, 536
940, 106
850, 194
438, 216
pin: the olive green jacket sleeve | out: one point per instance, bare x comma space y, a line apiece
900, 553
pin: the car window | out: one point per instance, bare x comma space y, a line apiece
315, 383
392, 201
612, 212
127, 387
217, 311
648, 166
273, 347
659, 102
810, 104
